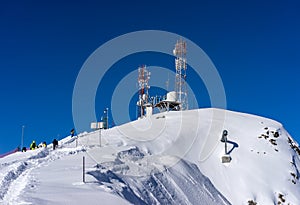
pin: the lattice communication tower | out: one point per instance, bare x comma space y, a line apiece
143, 82
180, 78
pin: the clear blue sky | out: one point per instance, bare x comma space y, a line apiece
255, 46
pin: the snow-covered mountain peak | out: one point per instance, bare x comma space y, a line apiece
169, 158
264, 166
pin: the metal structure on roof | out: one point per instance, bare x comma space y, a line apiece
173, 101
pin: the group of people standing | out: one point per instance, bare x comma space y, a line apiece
34, 146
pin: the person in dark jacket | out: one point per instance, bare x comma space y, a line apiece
72, 132
55, 144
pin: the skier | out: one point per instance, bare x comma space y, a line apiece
33, 145
55, 144
24, 149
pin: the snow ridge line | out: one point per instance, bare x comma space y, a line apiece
169, 186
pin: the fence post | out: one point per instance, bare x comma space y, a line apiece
83, 169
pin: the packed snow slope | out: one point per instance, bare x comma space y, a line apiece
168, 158
265, 159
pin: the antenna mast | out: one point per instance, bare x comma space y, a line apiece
180, 79
143, 81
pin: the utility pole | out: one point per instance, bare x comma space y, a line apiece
22, 137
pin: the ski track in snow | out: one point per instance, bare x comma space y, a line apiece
14, 172
17, 174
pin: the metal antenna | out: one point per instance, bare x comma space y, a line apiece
180, 79
143, 82
168, 82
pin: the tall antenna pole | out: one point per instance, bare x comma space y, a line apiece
143, 82
167, 83
180, 78
22, 138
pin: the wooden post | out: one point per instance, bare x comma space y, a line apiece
83, 169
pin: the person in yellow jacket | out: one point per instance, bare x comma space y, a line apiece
33, 145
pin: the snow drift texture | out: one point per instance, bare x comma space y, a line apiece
169, 158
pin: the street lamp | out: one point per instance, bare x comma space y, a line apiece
105, 118
224, 139
226, 157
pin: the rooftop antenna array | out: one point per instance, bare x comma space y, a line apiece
180, 78
143, 82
